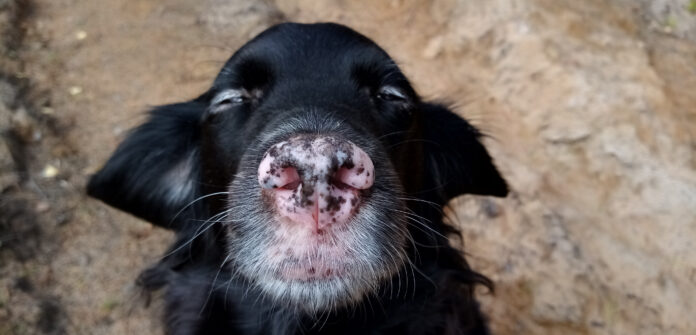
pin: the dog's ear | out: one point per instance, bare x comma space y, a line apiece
455, 159
155, 172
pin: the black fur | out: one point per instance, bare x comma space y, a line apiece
321, 78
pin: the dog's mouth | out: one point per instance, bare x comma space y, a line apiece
302, 269
296, 266
310, 270
304, 256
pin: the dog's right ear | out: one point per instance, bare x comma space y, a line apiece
457, 160
155, 172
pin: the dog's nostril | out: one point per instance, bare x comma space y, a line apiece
338, 183
272, 176
292, 185
360, 176
288, 178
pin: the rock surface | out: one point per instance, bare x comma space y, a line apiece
589, 106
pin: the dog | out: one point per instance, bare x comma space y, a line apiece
306, 189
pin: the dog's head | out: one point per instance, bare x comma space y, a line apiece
307, 150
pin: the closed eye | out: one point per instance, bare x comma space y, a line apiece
391, 93
228, 98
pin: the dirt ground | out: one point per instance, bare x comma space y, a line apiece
590, 107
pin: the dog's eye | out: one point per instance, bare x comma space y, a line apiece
392, 94
228, 98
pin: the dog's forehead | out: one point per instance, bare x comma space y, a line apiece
303, 32
295, 49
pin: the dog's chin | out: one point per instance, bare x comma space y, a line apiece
319, 284
305, 290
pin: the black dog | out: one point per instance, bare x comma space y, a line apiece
306, 188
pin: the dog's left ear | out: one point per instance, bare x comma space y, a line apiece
455, 158
154, 173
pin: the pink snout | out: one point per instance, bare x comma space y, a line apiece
315, 180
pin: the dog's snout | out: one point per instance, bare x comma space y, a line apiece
315, 180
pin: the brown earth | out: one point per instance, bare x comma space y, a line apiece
590, 107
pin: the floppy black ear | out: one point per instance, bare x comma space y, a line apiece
155, 172
456, 161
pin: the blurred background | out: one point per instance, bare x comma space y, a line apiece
590, 108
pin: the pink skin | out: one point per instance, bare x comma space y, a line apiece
315, 181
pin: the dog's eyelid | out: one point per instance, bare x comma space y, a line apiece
229, 96
226, 98
391, 93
